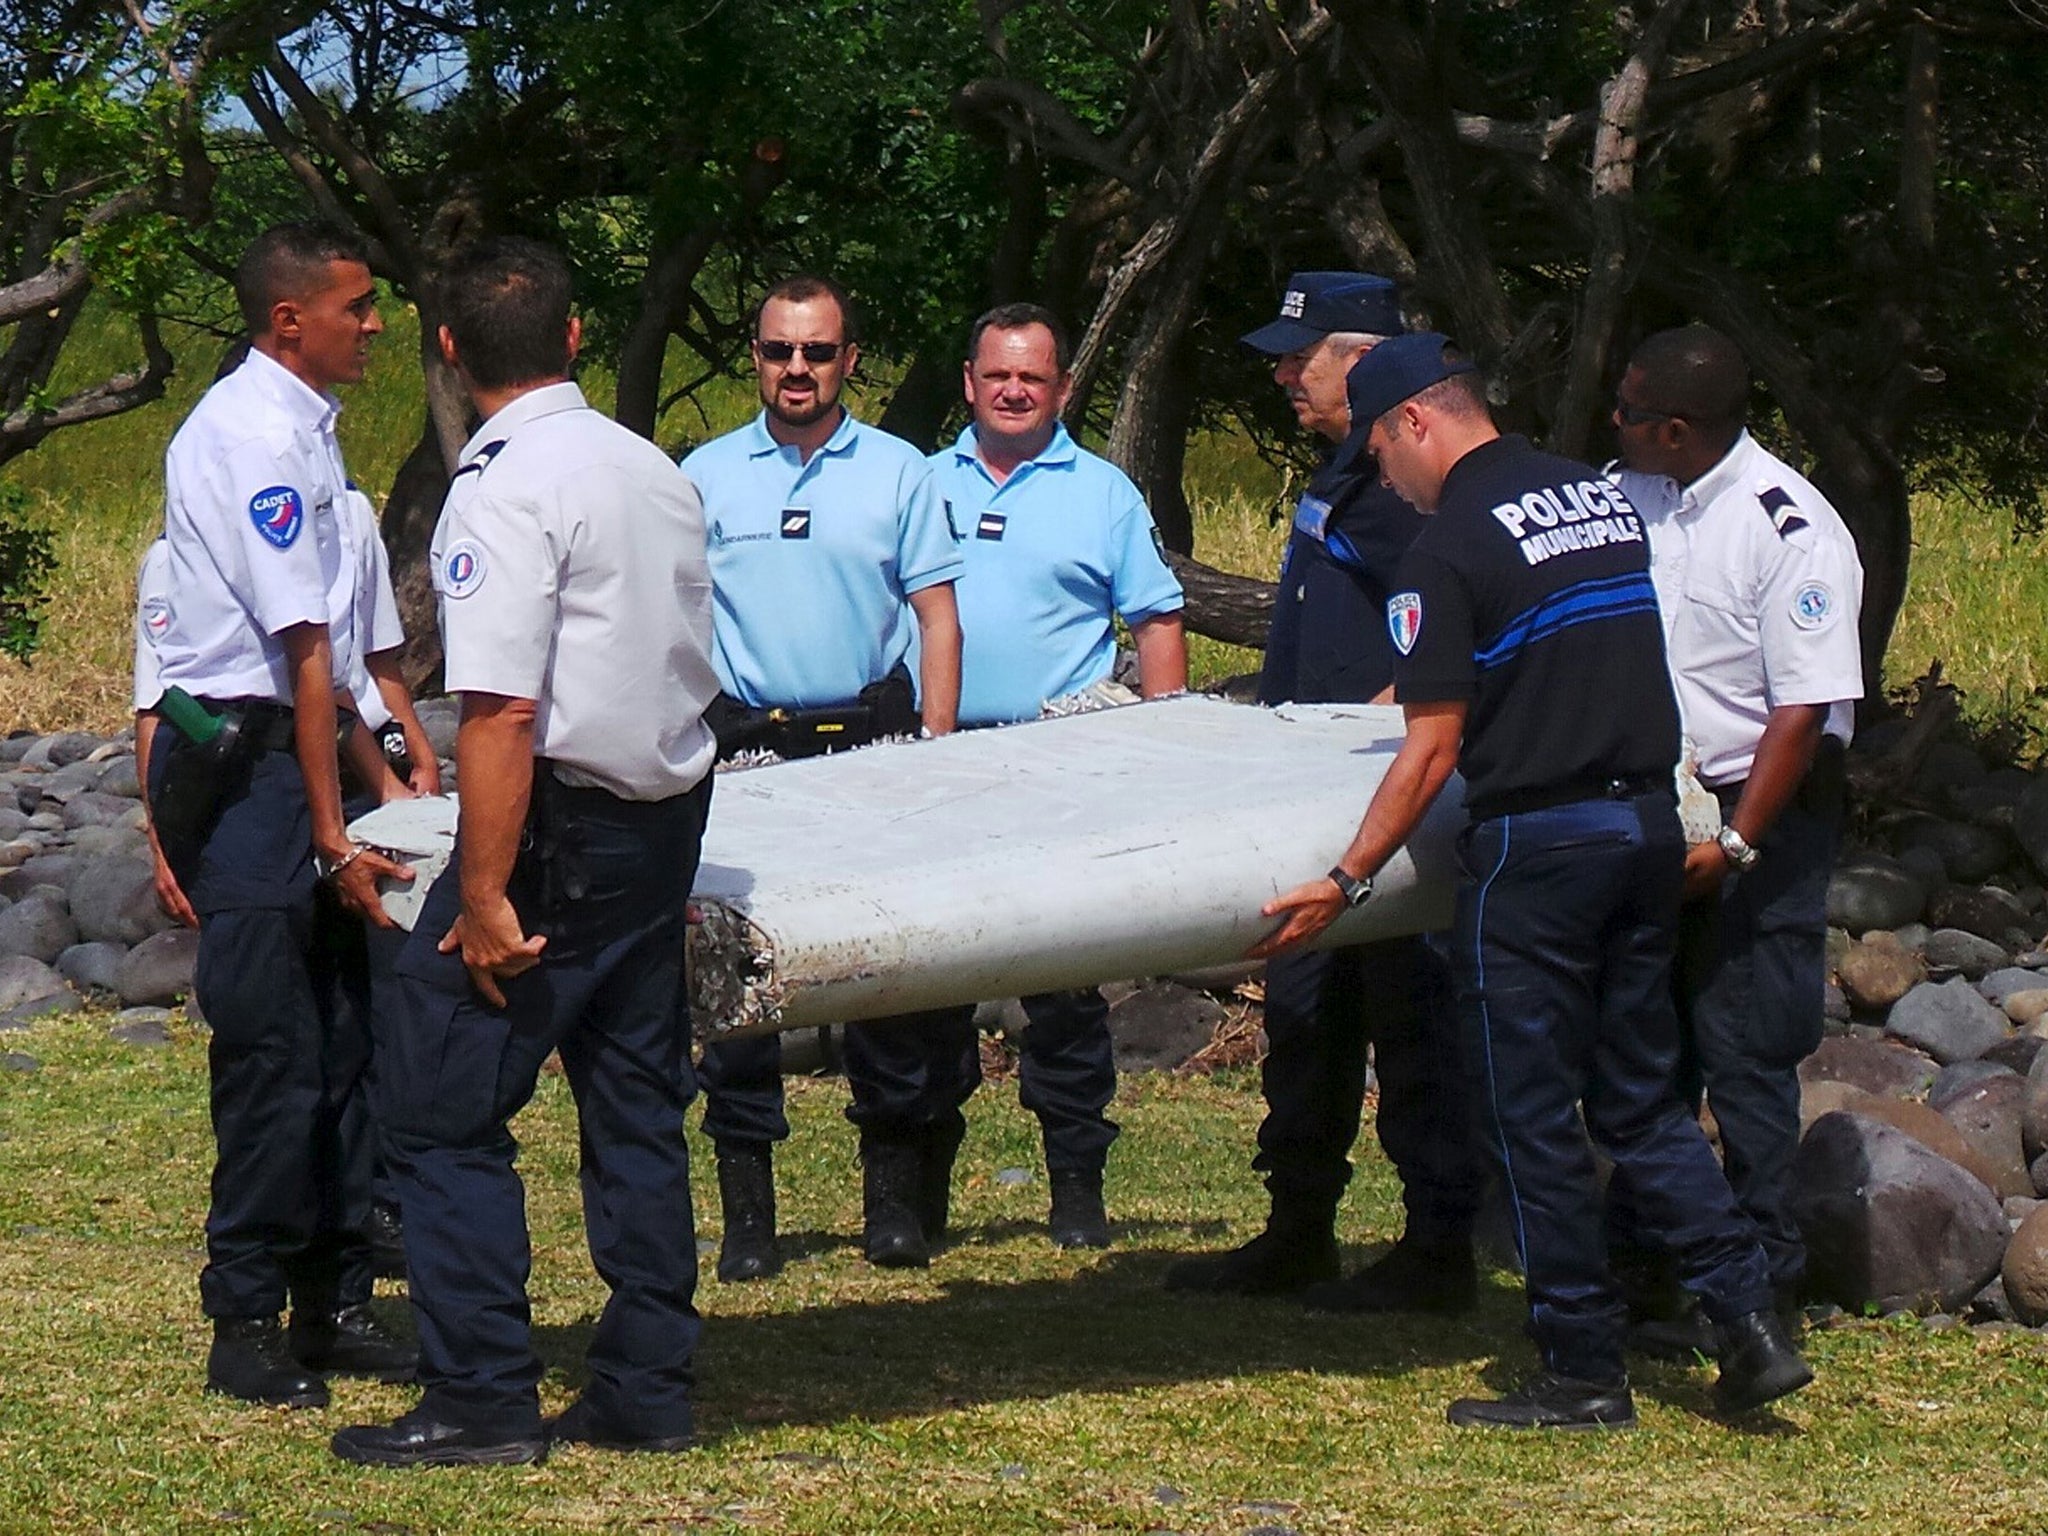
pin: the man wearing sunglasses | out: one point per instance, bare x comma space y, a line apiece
829, 546
1759, 585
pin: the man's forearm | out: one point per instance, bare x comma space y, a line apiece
1162, 655
494, 760
1428, 756
310, 655
1784, 754
938, 626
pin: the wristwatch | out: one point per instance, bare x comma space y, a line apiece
1353, 891
1742, 858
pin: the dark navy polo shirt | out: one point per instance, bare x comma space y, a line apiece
1529, 597
1328, 642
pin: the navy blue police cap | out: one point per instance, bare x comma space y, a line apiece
1398, 368
1318, 303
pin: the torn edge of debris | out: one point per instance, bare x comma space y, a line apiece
733, 986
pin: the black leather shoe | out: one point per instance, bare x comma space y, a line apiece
1412, 1276
249, 1360
1685, 1339
580, 1424
892, 1236
1279, 1260
746, 1198
387, 1242
940, 1146
1078, 1219
1758, 1363
1550, 1401
351, 1342
413, 1441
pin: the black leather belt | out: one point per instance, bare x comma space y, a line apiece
1547, 797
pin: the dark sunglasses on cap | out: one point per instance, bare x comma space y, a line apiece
815, 352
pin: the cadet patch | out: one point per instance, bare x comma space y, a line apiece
462, 568
991, 526
1813, 605
1784, 516
278, 513
1404, 620
156, 618
796, 522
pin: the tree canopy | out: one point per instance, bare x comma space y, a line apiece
1853, 189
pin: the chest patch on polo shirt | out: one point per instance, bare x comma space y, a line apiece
1813, 605
991, 526
1777, 501
462, 568
278, 513
1404, 620
796, 522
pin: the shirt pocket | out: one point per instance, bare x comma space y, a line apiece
1718, 629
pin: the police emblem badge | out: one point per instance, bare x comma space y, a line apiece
1404, 620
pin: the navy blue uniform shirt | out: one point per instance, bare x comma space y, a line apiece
1529, 597
1328, 643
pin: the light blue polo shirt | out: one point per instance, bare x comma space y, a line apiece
1053, 554
811, 563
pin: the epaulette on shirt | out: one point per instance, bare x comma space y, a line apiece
484, 455
1784, 515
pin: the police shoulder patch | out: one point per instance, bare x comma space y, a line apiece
1813, 605
462, 568
156, 618
1777, 501
1404, 620
278, 512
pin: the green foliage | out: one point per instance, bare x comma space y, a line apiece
28, 561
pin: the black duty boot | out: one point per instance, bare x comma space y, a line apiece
1759, 1364
1551, 1401
746, 1197
580, 1424
1685, 1339
1290, 1254
1078, 1219
935, 1179
349, 1341
1415, 1275
894, 1236
249, 1360
413, 1440
387, 1241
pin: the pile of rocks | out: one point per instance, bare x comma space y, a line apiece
1924, 1164
79, 919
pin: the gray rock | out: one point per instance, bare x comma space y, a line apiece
1882, 1067
2025, 1270
159, 969
1877, 971
2018, 1052
1834, 1004
114, 900
20, 1061
1889, 1223
2018, 1208
46, 820
1991, 1305
1160, 1026
1951, 949
1872, 891
16, 746
144, 1032
1912, 935
91, 966
1924, 865
438, 717
117, 841
1953, 1081
1988, 1116
60, 750
2037, 1170
1969, 852
1986, 911
20, 1014
37, 927
12, 821
120, 779
1946, 1019
1948, 765
73, 779
2000, 984
90, 808
1010, 1178
2034, 1109
56, 869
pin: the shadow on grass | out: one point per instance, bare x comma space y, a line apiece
813, 1242
1108, 1329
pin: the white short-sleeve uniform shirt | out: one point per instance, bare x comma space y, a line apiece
1760, 588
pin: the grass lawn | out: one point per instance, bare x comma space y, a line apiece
1009, 1389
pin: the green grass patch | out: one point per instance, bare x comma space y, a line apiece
1010, 1389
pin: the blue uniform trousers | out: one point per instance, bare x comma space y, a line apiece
914, 1071
1323, 1009
609, 995
1562, 954
279, 978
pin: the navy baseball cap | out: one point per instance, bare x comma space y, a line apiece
1317, 303
1396, 369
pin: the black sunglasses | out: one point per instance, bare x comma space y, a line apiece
815, 352
1636, 415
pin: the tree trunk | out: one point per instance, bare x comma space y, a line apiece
1235, 609
408, 528
917, 411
